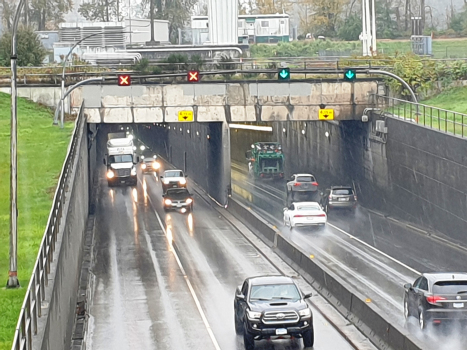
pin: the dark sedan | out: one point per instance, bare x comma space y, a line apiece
437, 298
272, 307
178, 198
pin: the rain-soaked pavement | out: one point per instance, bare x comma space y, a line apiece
167, 281
375, 254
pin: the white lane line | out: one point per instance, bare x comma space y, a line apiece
373, 248
187, 280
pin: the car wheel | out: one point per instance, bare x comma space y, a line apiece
248, 340
421, 319
291, 224
308, 338
238, 325
406, 309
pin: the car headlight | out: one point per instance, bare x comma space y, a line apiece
189, 200
253, 315
143, 166
182, 181
110, 174
156, 165
305, 313
167, 202
133, 171
166, 181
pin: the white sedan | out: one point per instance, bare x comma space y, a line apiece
304, 214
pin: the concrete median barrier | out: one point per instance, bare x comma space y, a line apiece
380, 328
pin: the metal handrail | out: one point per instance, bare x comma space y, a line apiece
449, 122
31, 309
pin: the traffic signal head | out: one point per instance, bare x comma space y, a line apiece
283, 74
350, 74
124, 80
193, 76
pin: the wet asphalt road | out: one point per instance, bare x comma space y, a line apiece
167, 281
346, 246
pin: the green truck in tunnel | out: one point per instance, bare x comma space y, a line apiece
266, 160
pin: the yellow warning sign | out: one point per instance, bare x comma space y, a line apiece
326, 114
185, 116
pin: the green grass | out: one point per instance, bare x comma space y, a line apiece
41, 152
442, 48
444, 117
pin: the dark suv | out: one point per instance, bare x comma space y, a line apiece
338, 197
272, 307
437, 298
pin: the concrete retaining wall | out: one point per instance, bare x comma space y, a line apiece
56, 324
366, 316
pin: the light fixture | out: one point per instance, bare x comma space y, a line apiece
326, 134
303, 131
208, 137
197, 133
284, 130
188, 131
251, 127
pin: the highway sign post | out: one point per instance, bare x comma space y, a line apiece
193, 76
283, 74
124, 80
326, 114
350, 74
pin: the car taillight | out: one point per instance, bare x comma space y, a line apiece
321, 215
330, 197
314, 183
299, 216
297, 184
433, 299
355, 197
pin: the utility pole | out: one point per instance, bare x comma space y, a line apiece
152, 42
422, 14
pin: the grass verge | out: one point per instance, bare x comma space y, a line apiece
41, 152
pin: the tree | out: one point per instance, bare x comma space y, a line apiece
101, 10
29, 48
323, 16
350, 28
271, 6
47, 14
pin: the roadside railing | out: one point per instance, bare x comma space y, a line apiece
31, 309
450, 122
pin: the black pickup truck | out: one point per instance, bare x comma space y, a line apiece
272, 307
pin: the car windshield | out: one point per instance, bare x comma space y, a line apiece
308, 207
343, 191
125, 158
450, 287
177, 192
274, 291
175, 173
305, 179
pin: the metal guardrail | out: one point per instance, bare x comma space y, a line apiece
450, 122
31, 309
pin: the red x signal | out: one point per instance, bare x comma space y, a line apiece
193, 76
124, 80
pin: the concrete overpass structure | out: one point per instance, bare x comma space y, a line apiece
230, 102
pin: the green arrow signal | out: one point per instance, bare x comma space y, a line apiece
284, 74
350, 75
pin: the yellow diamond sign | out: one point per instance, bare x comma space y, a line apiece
185, 116
326, 114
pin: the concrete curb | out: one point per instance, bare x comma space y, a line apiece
367, 317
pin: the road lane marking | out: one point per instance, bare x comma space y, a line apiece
187, 280
375, 249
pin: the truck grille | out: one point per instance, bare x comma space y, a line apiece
274, 317
123, 172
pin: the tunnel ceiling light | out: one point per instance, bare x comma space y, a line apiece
251, 127
284, 130
326, 134
303, 132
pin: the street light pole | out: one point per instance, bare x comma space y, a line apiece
13, 271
